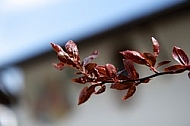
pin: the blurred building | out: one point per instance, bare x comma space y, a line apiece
49, 97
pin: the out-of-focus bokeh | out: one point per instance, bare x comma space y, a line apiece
27, 26
34, 93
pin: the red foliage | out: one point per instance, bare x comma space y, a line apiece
86, 93
130, 92
99, 75
146, 58
181, 57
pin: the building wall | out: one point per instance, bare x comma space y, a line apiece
163, 101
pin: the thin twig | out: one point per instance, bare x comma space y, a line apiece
140, 80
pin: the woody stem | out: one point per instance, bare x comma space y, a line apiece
140, 80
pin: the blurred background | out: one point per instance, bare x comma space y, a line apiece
34, 93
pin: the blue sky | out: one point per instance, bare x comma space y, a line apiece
28, 26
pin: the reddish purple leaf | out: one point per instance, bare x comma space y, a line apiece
122, 86
90, 58
156, 47
64, 57
131, 71
162, 63
59, 66
145, 80
56, 47
151, 59
89, 68
130, 92
134, 56
72, 50
175, 69
123, 77
111, 70
67, 60
101, 71
86, 93
187, 67
180, 56
71, 58
101, 89
81, 80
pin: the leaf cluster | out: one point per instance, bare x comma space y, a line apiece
97, 76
